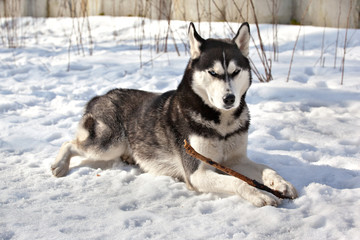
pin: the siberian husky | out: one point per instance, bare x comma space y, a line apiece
208, 109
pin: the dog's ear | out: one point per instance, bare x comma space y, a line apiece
195, 42
242, 39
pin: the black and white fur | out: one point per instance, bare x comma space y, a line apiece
208, 109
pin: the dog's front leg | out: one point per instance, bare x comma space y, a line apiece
206, 180
265, 175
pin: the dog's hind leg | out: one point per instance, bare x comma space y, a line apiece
95, 140
61, 165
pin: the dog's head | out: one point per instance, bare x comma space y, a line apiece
221, 69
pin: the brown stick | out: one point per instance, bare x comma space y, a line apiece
251, 182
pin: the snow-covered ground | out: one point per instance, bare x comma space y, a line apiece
308, 129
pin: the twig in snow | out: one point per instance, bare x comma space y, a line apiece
297, 38
322, 59
337, 34
345, 43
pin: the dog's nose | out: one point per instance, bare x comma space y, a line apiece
229, 99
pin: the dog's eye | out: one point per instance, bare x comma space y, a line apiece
236, 72
212, 73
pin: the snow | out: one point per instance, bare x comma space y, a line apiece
308, 129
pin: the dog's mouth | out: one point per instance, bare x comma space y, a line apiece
227, 107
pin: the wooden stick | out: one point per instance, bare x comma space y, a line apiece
251, 182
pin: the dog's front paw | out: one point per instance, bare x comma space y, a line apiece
276, 182
257, 197
60, 168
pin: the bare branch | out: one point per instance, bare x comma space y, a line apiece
297, 38
345, 43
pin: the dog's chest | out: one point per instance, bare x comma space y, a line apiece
220, 150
